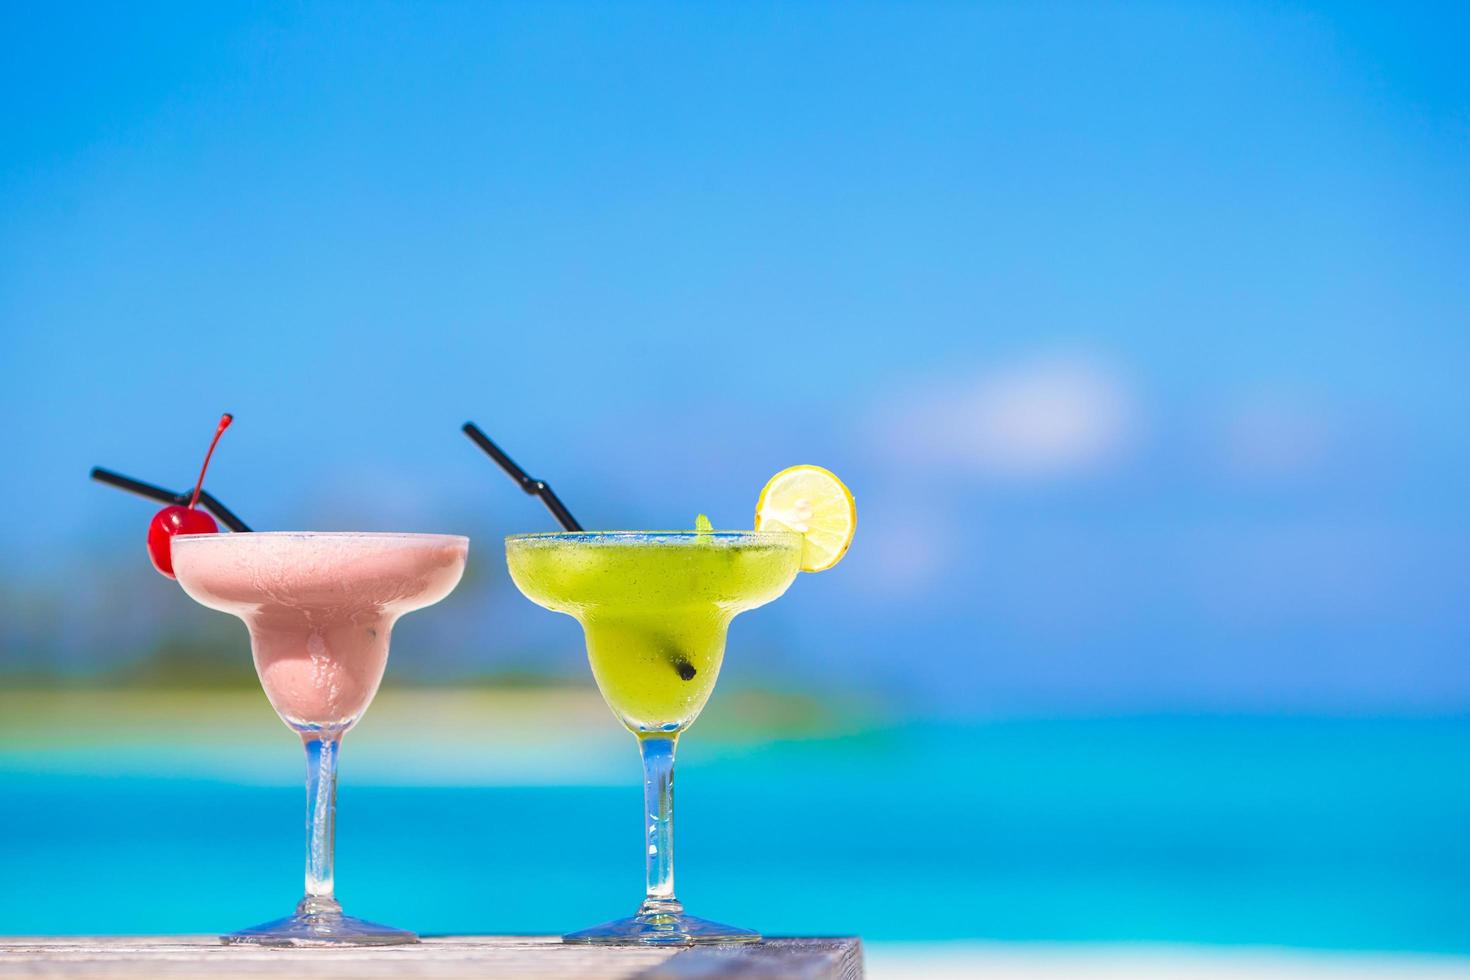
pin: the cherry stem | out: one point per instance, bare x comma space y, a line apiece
224, 423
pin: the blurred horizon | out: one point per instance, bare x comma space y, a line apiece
1309, 833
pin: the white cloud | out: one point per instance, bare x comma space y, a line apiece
1039, 419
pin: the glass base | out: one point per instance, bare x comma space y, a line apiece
669, 928
320, 928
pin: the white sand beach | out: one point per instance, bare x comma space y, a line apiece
1042, 961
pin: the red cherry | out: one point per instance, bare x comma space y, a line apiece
183, 520
168, 522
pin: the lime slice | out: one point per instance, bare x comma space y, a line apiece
815, 504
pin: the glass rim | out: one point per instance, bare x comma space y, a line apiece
361, 535
628, 535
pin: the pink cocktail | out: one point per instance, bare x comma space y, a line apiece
320, 608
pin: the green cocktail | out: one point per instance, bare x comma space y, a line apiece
655, 607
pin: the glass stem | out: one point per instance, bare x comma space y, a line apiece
321, 820
658, 823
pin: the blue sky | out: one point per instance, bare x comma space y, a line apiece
1140, 333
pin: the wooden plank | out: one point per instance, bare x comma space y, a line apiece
447, 958
437, 958
790, 959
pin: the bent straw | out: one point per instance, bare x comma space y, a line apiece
538, 488
207, 499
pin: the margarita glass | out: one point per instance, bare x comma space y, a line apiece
655, 607
320, 607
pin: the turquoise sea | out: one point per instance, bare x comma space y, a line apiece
1350, 834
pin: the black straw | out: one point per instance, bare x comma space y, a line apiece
207, 499
536, 488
